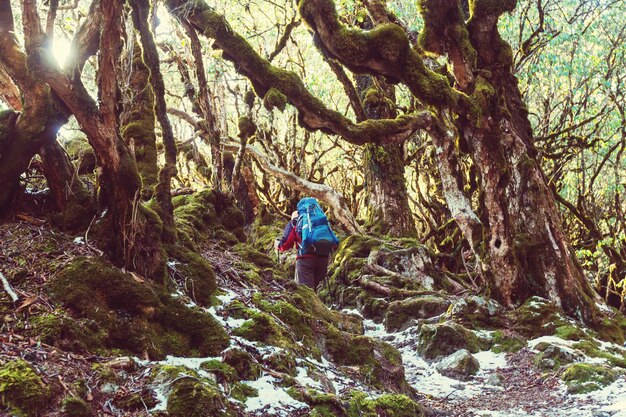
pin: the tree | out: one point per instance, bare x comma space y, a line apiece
517, 231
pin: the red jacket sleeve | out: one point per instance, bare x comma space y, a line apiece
292, 238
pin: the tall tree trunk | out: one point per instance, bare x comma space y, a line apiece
163, 192
523, 239
137, 119
387, 196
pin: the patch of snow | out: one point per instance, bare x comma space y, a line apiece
490, 361
191, 363
160, 397
228, 297
553, 340
352, 311
305, 380
276, 398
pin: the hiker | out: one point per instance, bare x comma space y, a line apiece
310, 232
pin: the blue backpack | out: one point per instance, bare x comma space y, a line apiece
317, 236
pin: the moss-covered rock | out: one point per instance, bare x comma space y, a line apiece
246, 367
75, 407
224, 373
192, 398
78, 335
614, 356
241, 392
504, 341
22, 391
401, 313
478, 313
322, 404
581, 378
443, 339
207, 215
195, 272
282, 361
261, 327
385, 405
537, 317
461, 364
553, 357
135, 316
379, 363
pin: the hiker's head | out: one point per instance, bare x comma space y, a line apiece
294, 215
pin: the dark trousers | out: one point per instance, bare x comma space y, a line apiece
311, 271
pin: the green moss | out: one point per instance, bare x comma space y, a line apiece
443, 339
197, 273
209, 214
222, 371
282, 361
261, 327
246, 126
75, 407
570, 332
482, 99
241, 392
507, 343
378, 361
385, 405
22, 391
274, 99
592, 349
135, 316
399, 313
491, 7
192, 398
244, 364
537, 317
582, 378
60, 330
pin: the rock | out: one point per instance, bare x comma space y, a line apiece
22, 391
245, 365
495, 379
460, 365
477, 312
109, 388
554, 357
443, 339
401, 313
582, 378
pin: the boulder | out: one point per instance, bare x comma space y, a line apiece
478, 312
460, 365
553, 357
443, 339
401, 313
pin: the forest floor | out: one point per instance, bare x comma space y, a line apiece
508, 384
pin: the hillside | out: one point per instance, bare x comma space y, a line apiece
228, 333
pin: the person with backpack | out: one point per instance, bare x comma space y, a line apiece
310, 232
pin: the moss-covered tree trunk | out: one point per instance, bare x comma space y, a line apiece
523, 243
387, 197
137, 120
